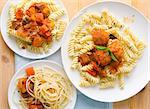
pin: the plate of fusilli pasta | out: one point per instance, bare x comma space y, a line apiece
105, 56
34, 28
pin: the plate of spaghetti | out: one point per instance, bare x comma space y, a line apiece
34, 28
107, 55
41, 85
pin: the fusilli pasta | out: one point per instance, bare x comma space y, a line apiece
82, 47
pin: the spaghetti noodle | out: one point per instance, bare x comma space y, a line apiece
44, 89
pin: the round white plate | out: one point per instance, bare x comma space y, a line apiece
12, 43
13, 95
138, 78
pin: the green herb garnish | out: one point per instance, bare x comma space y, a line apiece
110, 53
101, 48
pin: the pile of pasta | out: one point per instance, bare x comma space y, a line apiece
81, 42
35, 24
44, 88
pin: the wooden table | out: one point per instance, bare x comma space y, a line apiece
139, 101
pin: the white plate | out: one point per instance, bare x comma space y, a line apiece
138, 78
13, 95
12, 43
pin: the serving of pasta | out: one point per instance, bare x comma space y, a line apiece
36, 24
43, 88
103, 50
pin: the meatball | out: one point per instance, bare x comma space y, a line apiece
100, 37
84, 59
116, 48
102, 57
114, 66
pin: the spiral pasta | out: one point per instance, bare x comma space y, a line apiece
56, 15
12, 12
121, 80
86, 48
87, 67
84, 83
45, 47
106, 83
59, 30
18, 36
31, 2
36, 23
93, 80
75, 64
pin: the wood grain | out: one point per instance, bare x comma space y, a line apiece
6, 69
140, 101
6, 72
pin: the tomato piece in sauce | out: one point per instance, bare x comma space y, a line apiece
39, 17
49, 39
32, 106
19, 14
32, 10
43, 29
30, 71
37, 41
103, 73
91, 72
47, 34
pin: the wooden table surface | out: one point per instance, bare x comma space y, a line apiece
7, 64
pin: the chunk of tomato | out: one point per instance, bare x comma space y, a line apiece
103, 73
43, 29
31, 106
49, 39
48, 33
19, 14
37, 41
30, 71
93, 73
32, 10
39, 17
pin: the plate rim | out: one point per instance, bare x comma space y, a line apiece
27, 56
31, 63
80, 12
